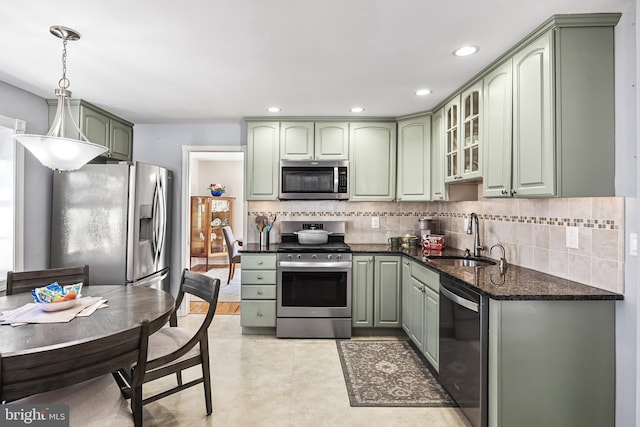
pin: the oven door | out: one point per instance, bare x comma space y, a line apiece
313, 290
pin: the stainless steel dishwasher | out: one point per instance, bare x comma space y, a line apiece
464, 333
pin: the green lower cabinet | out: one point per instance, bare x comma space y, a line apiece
420, 309
551, 363
258, 292
387, 310
362, 292
376, 291
431, 347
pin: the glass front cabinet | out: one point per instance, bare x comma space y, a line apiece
462, 136
208, 216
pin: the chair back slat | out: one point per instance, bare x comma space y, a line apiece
26, 373
25, 281
203, 287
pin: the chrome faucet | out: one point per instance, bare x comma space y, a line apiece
477, 247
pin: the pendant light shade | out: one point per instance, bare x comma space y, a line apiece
55, 149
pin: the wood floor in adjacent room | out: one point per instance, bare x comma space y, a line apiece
201, 307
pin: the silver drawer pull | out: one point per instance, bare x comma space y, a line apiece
259, 277
259, 292
259, 262
259, 314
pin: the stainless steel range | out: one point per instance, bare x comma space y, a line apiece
313, 283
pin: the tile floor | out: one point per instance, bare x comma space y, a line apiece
264, 381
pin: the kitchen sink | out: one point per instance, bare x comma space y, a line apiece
461, 261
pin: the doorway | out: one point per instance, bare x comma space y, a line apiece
205, 166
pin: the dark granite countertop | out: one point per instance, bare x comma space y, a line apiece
254, 248
518, 283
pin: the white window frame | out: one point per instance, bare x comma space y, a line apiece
18, 126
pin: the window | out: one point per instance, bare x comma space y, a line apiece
11, 198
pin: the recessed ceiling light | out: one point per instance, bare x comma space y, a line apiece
465, 51
423, 92
356, 109
273, 109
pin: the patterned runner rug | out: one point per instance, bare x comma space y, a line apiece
389, 373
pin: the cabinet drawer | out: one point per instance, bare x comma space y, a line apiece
258, 292
258, 313
426, 276
258, 277
258, 262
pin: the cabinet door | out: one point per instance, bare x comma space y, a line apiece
431, 348
417, 312
451, 136
95, 126
296, 140
406, 296
534, 155
199, 226
414, 159
121, 140
263, 160
332, 141
362, 291
221, 214
470, 114
437, 156
497, 140
387, 292
372, 154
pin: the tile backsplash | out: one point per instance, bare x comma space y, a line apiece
532, 231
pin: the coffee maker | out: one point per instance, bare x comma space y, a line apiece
427, 225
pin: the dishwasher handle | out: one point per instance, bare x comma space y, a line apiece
459, 300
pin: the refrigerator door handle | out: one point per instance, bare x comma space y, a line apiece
157, 211
162, 223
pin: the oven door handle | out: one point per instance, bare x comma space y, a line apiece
312, 264
458, 299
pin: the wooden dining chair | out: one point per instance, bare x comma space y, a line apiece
25, 281
80, 375
232, 250
174, 349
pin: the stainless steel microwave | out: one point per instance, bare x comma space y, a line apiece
314, 179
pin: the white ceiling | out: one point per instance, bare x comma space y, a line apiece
167, 61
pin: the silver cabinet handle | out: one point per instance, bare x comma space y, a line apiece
504, 192
259, 314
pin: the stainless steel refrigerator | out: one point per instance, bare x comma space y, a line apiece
117, 219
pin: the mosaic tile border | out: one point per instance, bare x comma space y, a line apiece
604, 224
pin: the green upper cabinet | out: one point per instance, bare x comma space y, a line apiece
497, 134
533, 142
100, 127
548, 123
332, 140
414, 160
437, 172
462, 136
372, 161
263, 159
296, 140
309, 140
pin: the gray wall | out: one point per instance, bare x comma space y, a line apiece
19, 104
162, 145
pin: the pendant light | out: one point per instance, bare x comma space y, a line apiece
55, 150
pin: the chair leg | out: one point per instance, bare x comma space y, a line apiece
179, 377
232, 270
206, 374
136, 406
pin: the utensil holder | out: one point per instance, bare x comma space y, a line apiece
263, 239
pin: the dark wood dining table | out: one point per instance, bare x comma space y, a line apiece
127, 307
